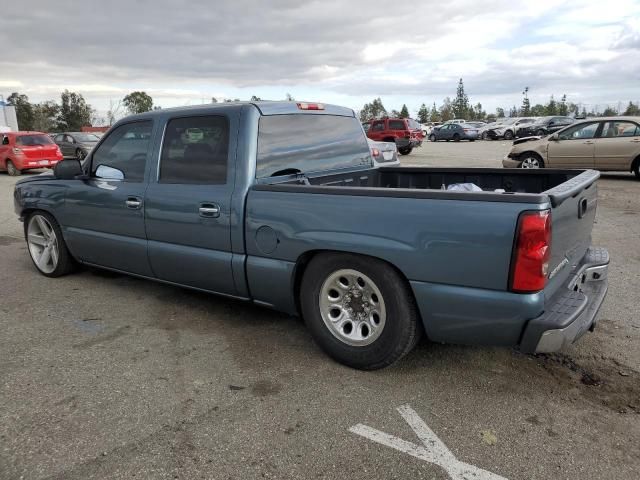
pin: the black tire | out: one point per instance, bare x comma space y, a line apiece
402, 328
508, 135
636, 168
456, 137
12, 170
472, 139
432, 138
405, 150
540, 133
80, 154
66, 263
485, 136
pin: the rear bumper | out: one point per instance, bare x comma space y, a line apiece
573, 309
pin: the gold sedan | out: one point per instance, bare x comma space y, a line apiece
609, 143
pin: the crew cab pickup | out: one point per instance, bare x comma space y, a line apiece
278, 203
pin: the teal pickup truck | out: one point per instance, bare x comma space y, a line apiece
279, 203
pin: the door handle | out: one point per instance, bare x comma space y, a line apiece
588, 142
209, 210
133, 203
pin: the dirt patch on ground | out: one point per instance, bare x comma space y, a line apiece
603, 381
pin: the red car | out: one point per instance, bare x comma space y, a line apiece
27, 150
405, 132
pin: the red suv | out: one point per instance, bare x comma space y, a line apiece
405, 132
27, 150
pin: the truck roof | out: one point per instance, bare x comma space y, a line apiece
264, 106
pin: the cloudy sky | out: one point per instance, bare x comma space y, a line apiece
345, 52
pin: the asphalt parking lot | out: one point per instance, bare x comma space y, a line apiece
107, 376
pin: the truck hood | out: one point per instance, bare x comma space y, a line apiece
37, 178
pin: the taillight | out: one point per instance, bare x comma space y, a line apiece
17, 151
465, 129
310, 106
530, 262
375, 152
58, 151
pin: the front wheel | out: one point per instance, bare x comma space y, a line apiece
540, 133
508, 135
636, 169
46, 245
531, 160
405, 150
359, 310
485, 136
12, 169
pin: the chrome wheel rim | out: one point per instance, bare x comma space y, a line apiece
79, 155
43, 243
530, 162
352, 307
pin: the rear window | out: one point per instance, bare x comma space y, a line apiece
396, 125
32, 140
413, 124
309, 143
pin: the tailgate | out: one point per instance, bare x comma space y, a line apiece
573, 213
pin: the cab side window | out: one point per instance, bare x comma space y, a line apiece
195, 151
59, 138
125, 149
378, 126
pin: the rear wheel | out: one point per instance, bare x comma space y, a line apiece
80, 155
46, 245
359, 310
405, 150
636, 168
485, 136
12, 170
508, 135
432, 138
456, 137
531, 160
540, 133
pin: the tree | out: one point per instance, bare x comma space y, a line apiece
423, 114
499, 112
477, 112
609, 112
525, 110
373, 111
461, 103
434, 115
74, 112
538, 110
114, 112
24, 110
45, 116
552, 107
632, 109
513, 111
289, 98
562, 108
214, 100
255, 99
138, 102
404, 112
446, 110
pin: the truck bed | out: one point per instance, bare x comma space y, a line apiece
525, 186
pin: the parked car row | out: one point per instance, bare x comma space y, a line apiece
611, 143
455, 132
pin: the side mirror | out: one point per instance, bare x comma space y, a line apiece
554, 137
67, 169
109, 173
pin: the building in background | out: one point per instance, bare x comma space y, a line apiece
8, 118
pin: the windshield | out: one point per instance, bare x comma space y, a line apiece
85, 137
33, 140
309, 143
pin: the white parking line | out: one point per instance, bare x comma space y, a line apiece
434, 450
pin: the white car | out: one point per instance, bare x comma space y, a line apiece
384, 154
